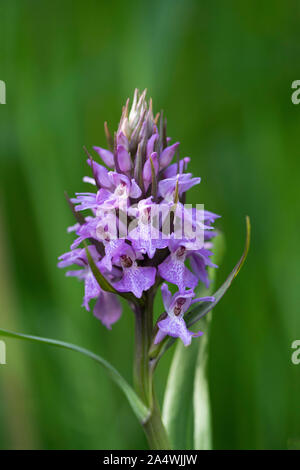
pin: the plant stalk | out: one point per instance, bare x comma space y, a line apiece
155, 430
143, 375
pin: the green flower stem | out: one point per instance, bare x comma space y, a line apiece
143, 376
154, 429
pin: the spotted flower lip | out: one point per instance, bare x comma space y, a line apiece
176, 306
139, 185
173, 268
135, 279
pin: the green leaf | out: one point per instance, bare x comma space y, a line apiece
201, 398
138, 407
177, 413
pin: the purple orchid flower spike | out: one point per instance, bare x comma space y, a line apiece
135, 279
111, 309
176, 306
128, 237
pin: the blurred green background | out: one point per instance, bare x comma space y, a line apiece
222, 71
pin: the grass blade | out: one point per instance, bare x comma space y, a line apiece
138, 407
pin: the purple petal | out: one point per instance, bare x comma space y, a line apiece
174, 169
199, 268
167, 155
147, 170
136, 280
100, 174
103, 195
135, 190
185, 298
209, 298
166, 187
166, 296
188, 184
79, 273
106, 156
88, 179
107, 309
196, 335
122, 140
150, 144
84, 201
176, 327
124, 159
117, 178
145, 236
160, 335
147, 245
73, 228
199, 261
72, 257
176, 272
91, 289
112, 249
